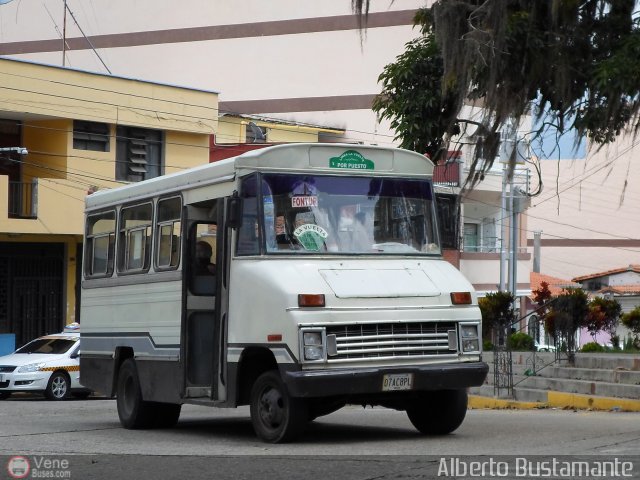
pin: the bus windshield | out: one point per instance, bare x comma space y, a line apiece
350, 215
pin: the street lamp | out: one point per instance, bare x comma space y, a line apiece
18, 150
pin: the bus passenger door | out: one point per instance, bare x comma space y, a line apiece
202, 273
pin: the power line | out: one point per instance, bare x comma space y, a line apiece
215, 109
86, 38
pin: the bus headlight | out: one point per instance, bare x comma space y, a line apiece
469, 338
313, 345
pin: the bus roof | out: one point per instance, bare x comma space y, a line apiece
327, 158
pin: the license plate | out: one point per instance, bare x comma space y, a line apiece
397, 381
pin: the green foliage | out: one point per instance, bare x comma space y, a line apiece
631, 320
487, 346
604, 315
520, 341
569, 312
576, 59
631, 344
412, 99
497, 310
592, 347
615, 342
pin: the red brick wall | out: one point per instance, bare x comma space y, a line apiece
452, 256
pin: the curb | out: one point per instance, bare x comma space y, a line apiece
559, 400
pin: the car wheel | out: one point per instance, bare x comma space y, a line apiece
276, 416
4, 395
58, 387
438, 412
133, 411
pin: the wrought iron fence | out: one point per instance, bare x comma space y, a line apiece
23, 199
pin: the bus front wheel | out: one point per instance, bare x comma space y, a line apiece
276, 416
133, 411
439, 412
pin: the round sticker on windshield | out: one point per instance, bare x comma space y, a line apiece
310, 236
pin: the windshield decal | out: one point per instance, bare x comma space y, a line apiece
351, 160
301, 201
311, 236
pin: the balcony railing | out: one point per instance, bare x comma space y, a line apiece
487, 245
23, 199
447, 174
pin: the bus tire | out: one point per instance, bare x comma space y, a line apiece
133, 411
439, 412
276, 416
58, 387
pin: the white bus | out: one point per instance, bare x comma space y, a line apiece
295, 279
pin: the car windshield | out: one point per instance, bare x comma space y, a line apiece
48, 345
350, 215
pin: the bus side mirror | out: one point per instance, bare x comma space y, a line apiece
234, 212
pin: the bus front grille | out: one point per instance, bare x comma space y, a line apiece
390, 340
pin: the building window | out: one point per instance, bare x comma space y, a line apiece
255, 134
90, 136
471, 240
138, 154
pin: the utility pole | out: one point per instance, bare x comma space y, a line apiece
516, 201
536, 250
503, 232
64, 33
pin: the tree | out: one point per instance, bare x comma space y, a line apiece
603, 316
631, 320
412, 99
568, 314
498, 315
575, 61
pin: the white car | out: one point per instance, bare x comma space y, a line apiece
543, 347
49, 365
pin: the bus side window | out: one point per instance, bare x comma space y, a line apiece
168, 233
100, 239
134, 244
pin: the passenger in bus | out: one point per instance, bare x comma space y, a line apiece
203, 265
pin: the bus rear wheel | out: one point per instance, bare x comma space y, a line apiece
133, 411
276, 416
439, 412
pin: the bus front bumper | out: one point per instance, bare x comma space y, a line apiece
365, 381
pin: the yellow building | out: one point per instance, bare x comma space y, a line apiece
63, 134
242, 128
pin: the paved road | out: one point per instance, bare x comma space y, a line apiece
88, 435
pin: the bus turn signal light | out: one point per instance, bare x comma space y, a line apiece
461, 298
310, 300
